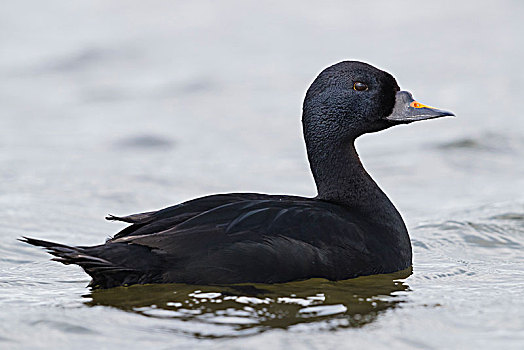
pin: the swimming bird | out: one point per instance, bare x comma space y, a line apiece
349, 229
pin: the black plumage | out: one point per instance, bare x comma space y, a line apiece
349, 229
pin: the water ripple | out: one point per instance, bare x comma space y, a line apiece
241, 310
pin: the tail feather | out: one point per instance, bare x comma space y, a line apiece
104, 272
41, 243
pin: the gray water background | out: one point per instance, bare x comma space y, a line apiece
127, 106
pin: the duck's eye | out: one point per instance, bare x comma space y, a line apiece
360, 86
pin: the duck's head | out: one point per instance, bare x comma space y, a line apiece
352, 98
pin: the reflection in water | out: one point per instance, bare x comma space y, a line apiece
237, 310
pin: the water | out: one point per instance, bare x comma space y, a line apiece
132, 106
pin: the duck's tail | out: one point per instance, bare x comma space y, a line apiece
67, 254
105, 274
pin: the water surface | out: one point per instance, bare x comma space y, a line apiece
122, 107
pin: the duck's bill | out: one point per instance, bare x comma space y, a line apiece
408, 110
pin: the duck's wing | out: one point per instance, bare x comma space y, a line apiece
273, 239
156, 221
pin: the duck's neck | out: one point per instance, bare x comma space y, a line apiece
341, 178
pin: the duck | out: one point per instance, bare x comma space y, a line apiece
349, 229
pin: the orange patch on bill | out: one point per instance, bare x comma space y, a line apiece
416, 104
